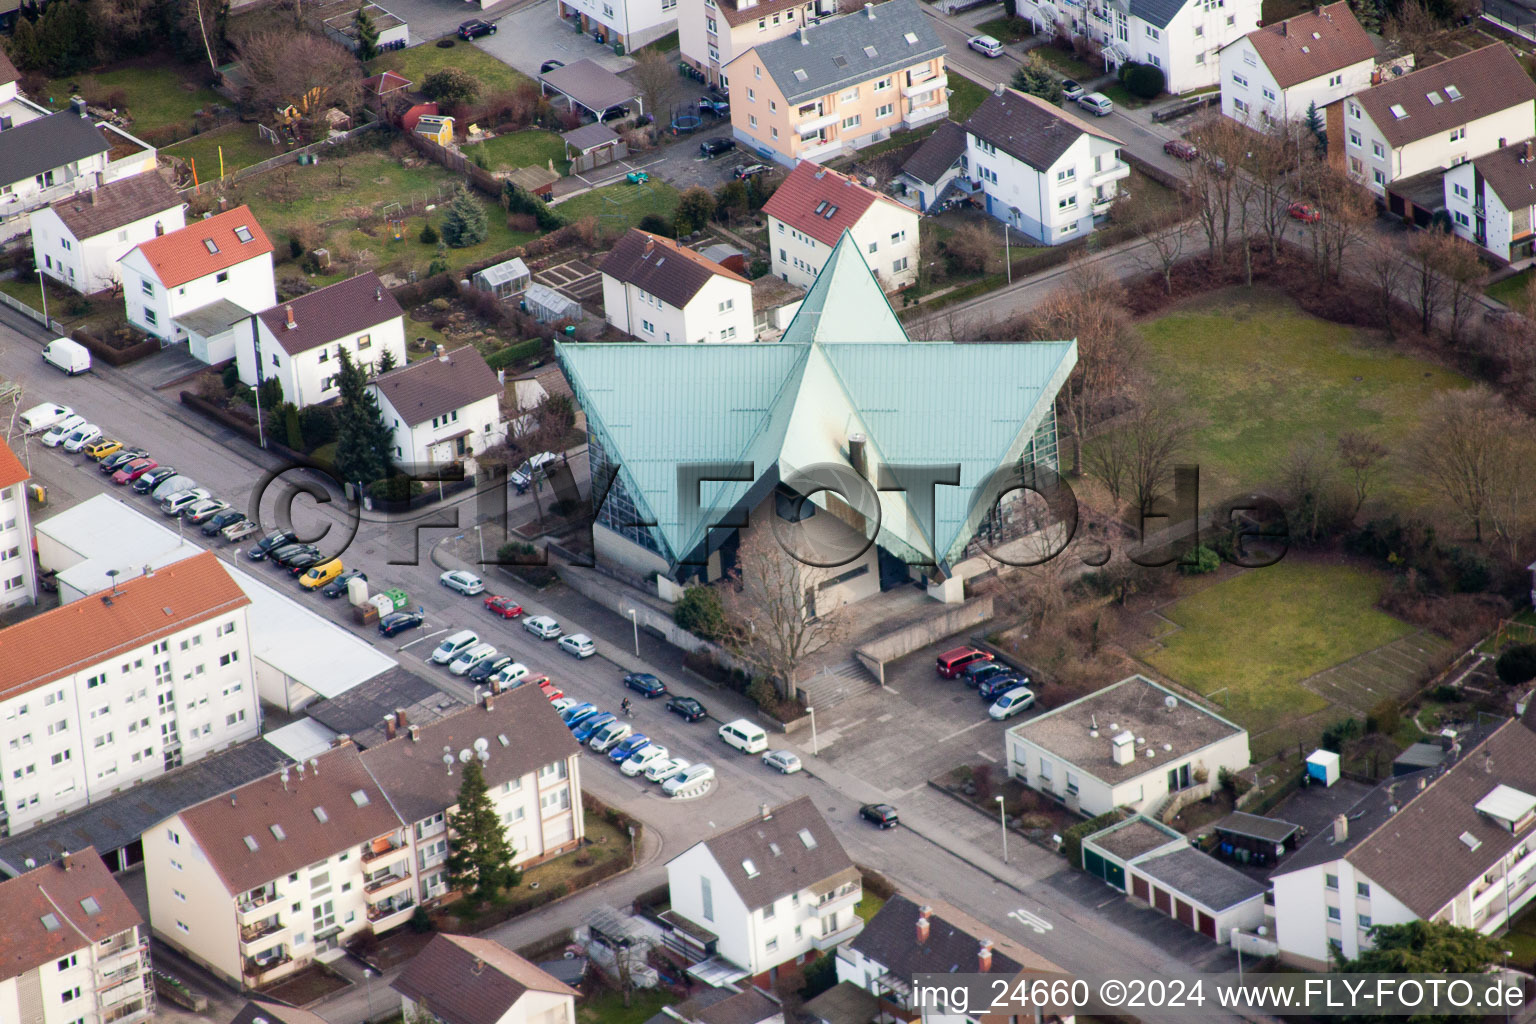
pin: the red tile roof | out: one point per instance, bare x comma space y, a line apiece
27, 941
11, 469
388, 82
184, 255
807, 188
86, 632
1311, 45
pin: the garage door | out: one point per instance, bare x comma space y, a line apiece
1207, 925
1161, 901
1185, 913
1139, 888
1114, 874
1094, 864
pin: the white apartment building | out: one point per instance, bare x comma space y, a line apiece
1454, 844
629, 24
1183, 38
74, 951
1433, 119
711, 33
226, 257
442, 411
661, 291
812, 209
104, 692
1046, 172
1281, 71
78, 241
298, 342
776, 889
18, 571
1492, 200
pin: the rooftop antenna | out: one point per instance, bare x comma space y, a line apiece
448, 761
314, 763
482, 750
285, 778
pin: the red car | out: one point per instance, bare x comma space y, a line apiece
134, 470
1180, 148
1304, 213
503, 606
550, 690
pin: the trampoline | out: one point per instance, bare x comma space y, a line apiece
686, 124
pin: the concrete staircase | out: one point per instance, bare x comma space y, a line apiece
835, 684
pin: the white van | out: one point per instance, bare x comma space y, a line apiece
171, 484
176, 503
454, 646
69, 356
744, 736
41, 417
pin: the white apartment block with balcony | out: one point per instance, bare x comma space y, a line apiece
1492, 201
18, 572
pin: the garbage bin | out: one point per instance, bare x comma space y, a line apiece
618, 49
39, 493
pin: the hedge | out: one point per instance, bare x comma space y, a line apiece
521, 350
1072, 838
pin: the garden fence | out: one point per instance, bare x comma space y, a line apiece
478, 176
26, 310
281, 159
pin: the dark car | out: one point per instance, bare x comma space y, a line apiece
474, 28
750, 171
689, 709
614, 113
550, 65
338, 586
646, 684
212, 527
1181, 148
117, 460
978, 672
399, 622
306, 559
483, 671
148, 481
285, 555
994, 686
268, 544
710, 105
882, 815
714, 147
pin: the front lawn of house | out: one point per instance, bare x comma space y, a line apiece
154, 97
417, 62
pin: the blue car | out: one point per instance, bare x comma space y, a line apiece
572, 714
583, 718
997, 684
593, 723
621, 753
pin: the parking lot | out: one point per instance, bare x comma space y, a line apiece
529, 36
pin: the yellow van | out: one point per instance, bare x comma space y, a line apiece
322, 574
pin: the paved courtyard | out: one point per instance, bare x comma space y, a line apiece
528, 36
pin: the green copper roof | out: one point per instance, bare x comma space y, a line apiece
860, 311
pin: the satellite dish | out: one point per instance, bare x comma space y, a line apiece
483, 755
465, 755
1263, 930
448, 761
482, 745
1170, 702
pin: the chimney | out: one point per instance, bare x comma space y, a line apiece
1123, 747
650, 247
288, 312
6, 123
1530, 150
997, 90
804, 40
415, 731
389, 727
90, 197
66, 860
489, 701
1285, 28
1340, 829
159, 229
869, 11
400, 717
984, 957
923, 924
378, 295
765, 811
442, 354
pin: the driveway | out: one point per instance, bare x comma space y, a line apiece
528, 36
432, 19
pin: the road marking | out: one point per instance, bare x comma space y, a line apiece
1106, 903
962, 732
1033, 921
885, 718
988, 756
419, 639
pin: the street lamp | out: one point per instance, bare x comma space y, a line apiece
1002, 819
636, 623
631, 846
481, 538
815, 747
368, 981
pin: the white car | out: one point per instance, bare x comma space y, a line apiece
508, 676
82, 436
454, 646
62, 429
985, 45
688, 778
41, 417
610, 736
471, 657
643, 758
578, 644
522, 476
466, 583
786, 762
661, 771
1011, 703
561, 703
542, 626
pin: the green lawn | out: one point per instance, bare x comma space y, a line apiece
1258, 634
156, 97
964, 96
1259, 374
1005, 29
417, 62
1123, 97
1521, 939
666, 44
868, 906
620, 207
531, 148
608, 1007
241, 144
1511, 290
1066, 63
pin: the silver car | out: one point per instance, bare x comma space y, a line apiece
786, 762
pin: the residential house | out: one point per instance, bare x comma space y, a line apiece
72, 949
625, 25
1491, 200
1454, 844
1046, 172
1432, 119
531, 769
659, 290
1282, 71
938, 162
78, 240
908, 938
18, 571
457, 979
848, 81
777, 889
261, 1011
226, 256
712, 32
442, 411
299, 343
815, 205
1132, 744
105, 692
13, 105
722, 1006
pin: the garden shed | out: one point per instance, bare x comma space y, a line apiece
1251, 838
593, 145
546, 305
504, 280
538, 181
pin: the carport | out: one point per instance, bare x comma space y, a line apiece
1250, 838
588, 85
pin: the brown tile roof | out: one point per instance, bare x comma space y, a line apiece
386, 83
8, 72
953, 943
782, 863
335, 311
428, 388
808, 187
354, 809
937, 154
1308, 46
275, 1013
27, 941
11, 469
1488, 80
749, 1006
116, 205
182, 256
739, 15
1418, 855
523, 731
1029, 128
1511, 174
667, 269
91, 630
465, 980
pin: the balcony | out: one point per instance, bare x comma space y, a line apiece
382, 847
257, 969
926, 85
838, 899
378, 883
816, 124
1114, 172
114, 982
388, 908
837, 938
257, 898
128, 1013
267, 926
1100, 205
820, 149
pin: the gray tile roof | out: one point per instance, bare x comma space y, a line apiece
781, 861
749, 1006
1028, 128
215, 318
46, 144
466, 980
590, 136
938, 153
1512, 176
953, 943
116, 205
1156, 12
1253, 826
1201, 878
275, 1013
590, 84
429, 388
850, 49
360, 711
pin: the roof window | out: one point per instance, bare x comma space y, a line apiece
278, 833
1398, 111
1435, 99
800, 74
749, 868
808, 839
911, 38
840, 61
211, 245
360, 798
243, 233
831, 210
51, 922
869, 51
250, 844
1453, 92
321, 816
1471, 840
821, 206
90, 906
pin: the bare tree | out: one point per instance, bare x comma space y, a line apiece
972, 248
1383, 266
1344, 211
1038, 589
1470, 445
1108, 458
1512, 499
1364, 459
301, 69
1273, 152
1160, 434
1457, 261
1209, 180
1426, 287
1411, 28
1306, 474
1163, 225
657, 80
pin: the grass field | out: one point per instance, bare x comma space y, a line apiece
1123, 97
619, 207
417, 62
1005, 29
964, 96
1510, 290
1261, 374
1066, 63
607, 1007
156, 96
532, 148
242, 147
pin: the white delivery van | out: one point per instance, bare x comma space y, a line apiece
42, 417
69, 356
744, 736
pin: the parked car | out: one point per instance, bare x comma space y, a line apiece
42, 417
338, 586
522, 476
68, 355
750, 170
747, 737
508, 676
317, 576
550, 65
466, 583
562, 703
614, 113
204, 510
103, 447
1097, 104
474, 28
714, 147
687, 708
117, 460
240, 529
786, 762
881, 815
985, 45
641, 759
550, 690
579, 645
645, 684
1011, 703
621, 751
153, 476
571, 715
588, 726
688, 778
995, 686
221, 519
1071, 91
398, 622
1181, 148
981, 670
1304, 212
717, 107
487, 668
268, 544
132, 470
503, 606
455, 645
177, 502
282, 556
470, 657
665, 768
82, 436
542, 626
953, 662
307, 559
60, 431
